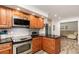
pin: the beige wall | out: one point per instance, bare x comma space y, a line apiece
69, 26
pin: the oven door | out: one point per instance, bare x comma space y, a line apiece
22, 48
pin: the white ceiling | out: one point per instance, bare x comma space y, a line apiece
28, 9
62, 11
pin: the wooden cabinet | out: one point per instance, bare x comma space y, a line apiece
36, 44
40, 23
6, 48
5, 17
20, 14
3, 20
36, 22
48, 45
16, 13
51, 45
9, 17
25, 16
32, 21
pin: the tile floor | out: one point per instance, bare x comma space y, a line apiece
41, 52
68, 46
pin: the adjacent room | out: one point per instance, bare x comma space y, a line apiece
69, 37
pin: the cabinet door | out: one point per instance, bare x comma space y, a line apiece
48, 45
26, 17
36, 22
40, 42
9, 17
32, 21
57, 46
7, 51
16, 13
6, 48
36, 46
45, 44
41, 23
3, 20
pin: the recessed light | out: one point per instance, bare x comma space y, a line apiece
33, 14
18, 8
55, 15
42, 16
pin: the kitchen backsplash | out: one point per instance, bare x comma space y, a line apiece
15, 32
18, 31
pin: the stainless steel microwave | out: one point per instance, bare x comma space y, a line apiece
18, 22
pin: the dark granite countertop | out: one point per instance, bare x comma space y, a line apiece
6, 40
53, 36
49, 36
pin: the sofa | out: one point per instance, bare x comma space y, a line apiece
70, 34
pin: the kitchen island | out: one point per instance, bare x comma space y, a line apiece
49, 44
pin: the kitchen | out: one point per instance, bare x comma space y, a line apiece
20, 33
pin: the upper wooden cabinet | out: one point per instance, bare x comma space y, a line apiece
40, 22
5, 17
9, 17
36, 22
7, 14
3, 14
32, 21
17, 13
20, 14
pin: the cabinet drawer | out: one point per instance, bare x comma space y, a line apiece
5, 51
5, 45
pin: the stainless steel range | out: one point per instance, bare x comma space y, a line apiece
22, 44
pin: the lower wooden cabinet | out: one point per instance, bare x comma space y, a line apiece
6, 48
50, 45
6, 51
36, 44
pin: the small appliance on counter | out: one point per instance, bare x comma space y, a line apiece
34, 32
3, 34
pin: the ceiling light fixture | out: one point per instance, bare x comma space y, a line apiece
18, 8
55, 15
33, 13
